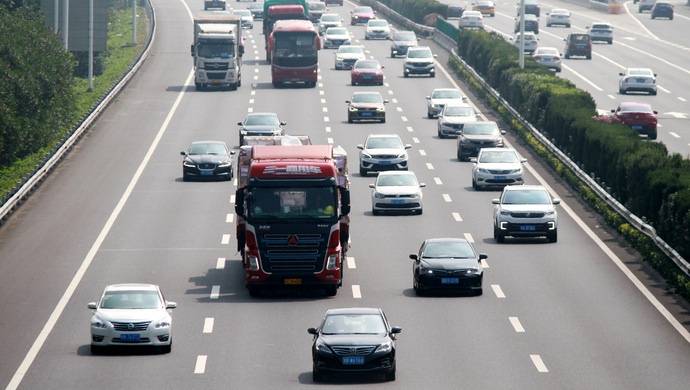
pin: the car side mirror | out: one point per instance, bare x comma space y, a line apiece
170, 305
385, 101
654, 74
191, 50
473, 159
183, 153
239, 123
503, 132
621, 74
495, 201
383, 67
483, 256
655, 112
422, 185
312, 331
347, 101
414, 257
428, 97
556, 201
408, 146
435, 55
283, 123
92, 305
232, 152
360, 147
372, 185
396, 330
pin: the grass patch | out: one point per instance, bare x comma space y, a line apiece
120, 54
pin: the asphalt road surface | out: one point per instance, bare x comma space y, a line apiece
552, 316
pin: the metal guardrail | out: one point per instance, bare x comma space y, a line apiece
421, 29
612, 202
41, 172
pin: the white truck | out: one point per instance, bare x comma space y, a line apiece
217, 51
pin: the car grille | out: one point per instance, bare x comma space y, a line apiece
420, 64
215, 75
131, 326
142, 340
385, 156
365, 109
397, 206
457, 126
527, 215
207, 166
501, 171
301, 256
216, 65
347, 350
400, 196
483, 143
336, 41
455, 272
349, 61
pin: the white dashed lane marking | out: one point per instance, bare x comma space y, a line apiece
208, 325
330, 141
323, 101
399, 109
324, 109
200, 366
394, 100
675, 135
225, 240
230, 217
215, 291
438, 181
253, 92
321, 92
351, 262
429, 166
415, 140
390, 92
251, 101
410, 129
326, 119
663, 89
516, 324
447, 198
220, 263
682, 99
250, 109
422, 152
457, 217
403, 118
232, 199
498, 291
356, 291
539, 363
328, 129
611, 97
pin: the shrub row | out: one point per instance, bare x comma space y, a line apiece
416, 10
642, 175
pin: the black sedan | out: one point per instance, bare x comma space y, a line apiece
207, 159
447, 264
354, 340
261, 123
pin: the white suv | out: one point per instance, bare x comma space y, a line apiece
419, 60
382, 152
497, 167
525, 211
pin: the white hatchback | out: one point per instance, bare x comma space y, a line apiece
396, 191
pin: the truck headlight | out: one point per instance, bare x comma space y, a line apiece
332, 262
253, 262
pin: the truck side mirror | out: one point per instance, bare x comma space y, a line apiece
344, 201
239, 202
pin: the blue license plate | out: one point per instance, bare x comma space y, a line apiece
353, 360
637, 127
450, 280
129, 337
499, 177
397, 201
367, 113
206, 173
527, 228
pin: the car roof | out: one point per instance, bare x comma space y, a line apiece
208, 142
482, 150
396, 173
357, 46
376, 20
354, 310
416, 48
132, 287
635, 105
446, 239
330, 14
529, 17
560, 11
525, 187
471, 13
383, 136
366, 93
262, 114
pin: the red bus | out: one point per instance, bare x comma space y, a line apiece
294, 46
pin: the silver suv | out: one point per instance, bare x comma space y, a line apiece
382, 152
525, 211
419, 60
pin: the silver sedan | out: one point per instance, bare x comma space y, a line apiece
638, 80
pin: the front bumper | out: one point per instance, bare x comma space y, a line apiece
483, 179
379, 165
150, 337
444, 280
217, 78
367, 79
523, 227
211, 172
424, 69
367, 115
327, 278
377, 35
375, 362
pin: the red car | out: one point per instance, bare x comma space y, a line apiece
367, 72
361, 15
639, 116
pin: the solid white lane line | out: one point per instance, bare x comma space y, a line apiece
538, 363
328, 129
225, 240
367, 51
675, 135
215, 291
410, 129
330, 140
326, 119
663, 89
200, 366
469, 238
651, 34
403, 118
447, 198
351, 262
208, 325
438, 181
585, 79
484, 263
229, 217
457, 217
232, 199
415, 140
429, 166
516, 324
498, 291
422, 152
356, 291
682, 99
220, 263
91, 254
324, 109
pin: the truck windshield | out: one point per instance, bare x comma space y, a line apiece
210, 48
295, 49
290, 203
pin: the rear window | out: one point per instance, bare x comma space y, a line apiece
579, 38
601, 27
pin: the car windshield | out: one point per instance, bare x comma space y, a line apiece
384, 143
330, 18
131, 300
242, 12
635, 108
447, 250
486, 3
366, 65
404, 36
497, 156
336, 31
351, 49
378, 23
262, 120
546, 51
528, 37
559, 12
363, 10
317, 6
291, 203
446, 94
579, 37
458, 111
207, 148
480, 128
353, 324
424, 53
640, 72
396, 180
526, 197
367, 98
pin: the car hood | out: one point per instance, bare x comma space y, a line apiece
207, 158
397, 190
363, 15
405, 43
472, 137
330, 24
260, 128
520, 208
445, 101
350, 56
123, 315
368, 71
354, 339
367, 105
337, 36
419, 60
450, 264
460, 119
383, 152
499, 166
378, 29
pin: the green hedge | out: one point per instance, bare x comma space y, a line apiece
416, 10
641, 174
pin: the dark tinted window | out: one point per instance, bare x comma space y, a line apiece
448, 249
353, 324
207, 148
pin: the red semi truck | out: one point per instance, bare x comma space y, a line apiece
293, 224
294, 50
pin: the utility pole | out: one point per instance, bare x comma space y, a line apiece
134, 22
90, 45
56, 17
65, 24
522, 34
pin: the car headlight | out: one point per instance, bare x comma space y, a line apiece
378, 195
483, 170
366, 155
384, 348
552, 212
426, 271
380, 109
503, 212
98, 323
322, 347
163, 324
243, 132
472, 271
402, 155
189, 164
224, 164
464, 140
352, 108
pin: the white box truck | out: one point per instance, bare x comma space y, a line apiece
217, 51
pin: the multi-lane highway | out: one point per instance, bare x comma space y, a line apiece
659, 44
568, 315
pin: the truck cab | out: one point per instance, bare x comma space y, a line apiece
217, 50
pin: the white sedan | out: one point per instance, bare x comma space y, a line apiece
531, 41
472, 19
336, 36
131, 314
497, 167
637, 80
558, 16
377, 29
347, 55
548, 57
453, 118
396, 191
441, 97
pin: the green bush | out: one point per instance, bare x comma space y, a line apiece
416, 10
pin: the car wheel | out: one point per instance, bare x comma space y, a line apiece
316, 375
405, 75
652, 17
166, 348
349, 119
254, 292
185, 177
392, 54
621, 91
429, 115
610, 41
390, 375
438, 132
498, 236
432, 75
653, 93
96, 349
567, 56
420, 212
383, 120
567, 26
198, 86
553, 237
375, 212
363, 172
474, 185
589, 56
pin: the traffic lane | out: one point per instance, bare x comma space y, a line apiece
55, 227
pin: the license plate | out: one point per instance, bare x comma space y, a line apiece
292, 281
353, 360
215, 82
499, 177
129, 337
397, 201
527, 228
206, 173
636, 127
641, 80
367, 77
366, 113
450, 280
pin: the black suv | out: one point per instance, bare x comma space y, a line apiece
578, 45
